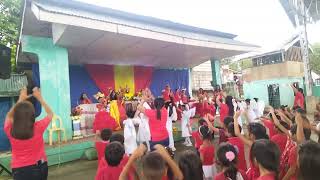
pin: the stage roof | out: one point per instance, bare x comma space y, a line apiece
312, 9
99, 35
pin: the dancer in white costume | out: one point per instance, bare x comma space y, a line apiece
172, 114
130, 136
185, 124
143, 135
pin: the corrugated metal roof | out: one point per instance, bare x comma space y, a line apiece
312, 9
98, 10
11, 87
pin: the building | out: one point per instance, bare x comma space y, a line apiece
272, 73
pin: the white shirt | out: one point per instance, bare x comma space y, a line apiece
186, 115
130, 136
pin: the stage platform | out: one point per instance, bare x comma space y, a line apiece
60, 153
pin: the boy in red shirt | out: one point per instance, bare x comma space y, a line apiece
113, 163
101, 144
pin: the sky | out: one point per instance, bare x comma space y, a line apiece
259, 22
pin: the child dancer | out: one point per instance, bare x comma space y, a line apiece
227, 157
207, 153
190, 165
130, 136
101, 144
266, 156
185, 124
172, 117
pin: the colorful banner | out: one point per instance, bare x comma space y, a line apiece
116, 77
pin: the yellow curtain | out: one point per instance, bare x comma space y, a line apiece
114, 111
124, 77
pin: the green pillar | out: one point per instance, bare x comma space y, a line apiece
216, 76
54, 77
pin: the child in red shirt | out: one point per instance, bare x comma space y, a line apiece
266, 156
115, 160
289, 156
207, 153
238, 144
227, 157
196, 135
224, 109
101, 144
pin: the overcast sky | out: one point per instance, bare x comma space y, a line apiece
260, 22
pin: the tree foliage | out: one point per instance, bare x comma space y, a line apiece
10, 13
243, 64
315, 58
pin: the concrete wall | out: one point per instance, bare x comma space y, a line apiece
287, 69
54, 77
259, 89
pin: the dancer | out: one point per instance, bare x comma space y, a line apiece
185, 124
29, 160
227, 157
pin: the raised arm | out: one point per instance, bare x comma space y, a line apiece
173, 166
295, 90
300, 133
135, 155
214, 129
284, 117
38, 96
277, 123
237, 130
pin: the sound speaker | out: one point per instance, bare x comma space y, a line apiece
5, 63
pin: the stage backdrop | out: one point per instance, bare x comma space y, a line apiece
92, 78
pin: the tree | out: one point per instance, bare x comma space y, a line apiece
10, 14
315, 58
244, 64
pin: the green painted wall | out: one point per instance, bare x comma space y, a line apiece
216, 75
54, 77
259, 89
316, 91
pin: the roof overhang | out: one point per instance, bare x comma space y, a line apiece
312, 8
96, 35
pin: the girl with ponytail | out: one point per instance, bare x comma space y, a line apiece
207, 153
157, 122
227, 157
266, 155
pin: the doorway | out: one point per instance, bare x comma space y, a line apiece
274, 95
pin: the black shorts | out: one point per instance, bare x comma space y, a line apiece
38, 171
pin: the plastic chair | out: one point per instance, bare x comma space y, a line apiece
58, 129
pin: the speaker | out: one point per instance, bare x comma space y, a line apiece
5, 63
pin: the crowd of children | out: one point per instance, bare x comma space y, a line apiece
270, 145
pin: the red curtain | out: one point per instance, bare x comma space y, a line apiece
142, 77
102, 75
